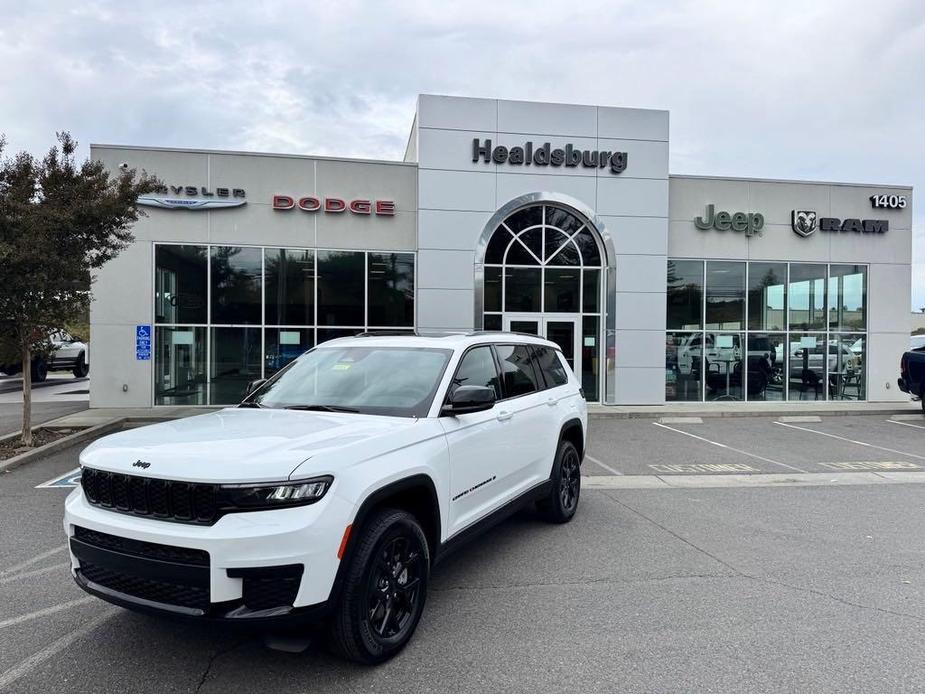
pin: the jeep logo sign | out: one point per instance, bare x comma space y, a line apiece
749, 223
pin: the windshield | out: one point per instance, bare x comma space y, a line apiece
394, 381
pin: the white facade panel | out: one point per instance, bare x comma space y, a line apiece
445, 269
888, 291
638, 235
445, 309
632, 123
457, 113
641, 273
450, 229
456, 190
550, 119
645, 159
510, 186
640, 348
640, 386
632, 197
640, 311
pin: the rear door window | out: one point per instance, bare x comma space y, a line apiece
549, 363
518, 376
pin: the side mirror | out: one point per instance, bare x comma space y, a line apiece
467, 399
254, 385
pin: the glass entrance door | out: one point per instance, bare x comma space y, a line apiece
562, 328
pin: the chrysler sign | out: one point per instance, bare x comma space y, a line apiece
194, 198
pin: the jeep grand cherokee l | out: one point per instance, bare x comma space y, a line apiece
329, 493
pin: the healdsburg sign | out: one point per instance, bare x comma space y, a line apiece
546, 155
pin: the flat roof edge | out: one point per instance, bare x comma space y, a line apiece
792, 181
280, 155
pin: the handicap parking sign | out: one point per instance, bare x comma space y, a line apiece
142, 342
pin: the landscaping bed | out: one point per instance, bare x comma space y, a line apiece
11, 446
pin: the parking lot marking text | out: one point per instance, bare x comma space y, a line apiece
705, 467
871, 465
729, 448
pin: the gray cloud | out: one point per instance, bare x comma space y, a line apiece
830, 89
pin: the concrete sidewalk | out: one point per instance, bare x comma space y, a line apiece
95, 416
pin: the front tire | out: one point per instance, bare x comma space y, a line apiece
384, 590
39, 371
562, 503
81, 369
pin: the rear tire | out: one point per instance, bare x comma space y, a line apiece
562, 503
81, 369
39, 371
384, 590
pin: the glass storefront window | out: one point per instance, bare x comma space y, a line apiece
590, 351
341, 288
766, 366
591, 291
236, 274
234, 362
282, 345
807, 362
683, 366
492, 289
685, 294
847, 373
767, 296
807, 296
390, 289
492, 321
179, 366
180, 284
290, 290
522, 289
725, 295
274, 290
847, 297
722, 365
562, 290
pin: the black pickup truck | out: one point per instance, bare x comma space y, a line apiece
912, 372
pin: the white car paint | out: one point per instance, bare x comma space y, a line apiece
513, 445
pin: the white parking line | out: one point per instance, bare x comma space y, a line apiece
34, 572
859, 443
34, 560
906, 424
603, 465
730, 448
45, 612
29, 664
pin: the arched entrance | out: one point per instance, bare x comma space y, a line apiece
544, 272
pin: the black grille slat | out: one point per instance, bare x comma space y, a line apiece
184, 502
265, 593
140, 548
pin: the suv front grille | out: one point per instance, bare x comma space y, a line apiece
183, 502
140, 548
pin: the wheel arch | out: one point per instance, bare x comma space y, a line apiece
416, 494
573, 431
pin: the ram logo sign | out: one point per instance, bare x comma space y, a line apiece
804, 222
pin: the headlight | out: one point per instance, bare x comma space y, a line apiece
253, 497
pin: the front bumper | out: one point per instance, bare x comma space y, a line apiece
247, 567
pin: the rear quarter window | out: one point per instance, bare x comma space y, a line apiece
547, 359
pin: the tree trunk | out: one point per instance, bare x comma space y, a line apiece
27, 395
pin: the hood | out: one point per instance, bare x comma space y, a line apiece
237, 444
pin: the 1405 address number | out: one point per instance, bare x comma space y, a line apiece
892, 202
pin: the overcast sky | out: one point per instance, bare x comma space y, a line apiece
820, 89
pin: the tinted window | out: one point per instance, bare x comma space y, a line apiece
341, 288
551, 366
517, 372
290, 287
180, 289
390, 289
236, 276
478, 369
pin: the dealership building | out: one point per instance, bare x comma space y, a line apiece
555, 219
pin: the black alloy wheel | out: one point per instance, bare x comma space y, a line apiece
569, 480
81, 368
562, 502
394, 588
385, 588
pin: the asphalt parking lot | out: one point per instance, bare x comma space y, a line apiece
819, 588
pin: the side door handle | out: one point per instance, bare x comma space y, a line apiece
504, 415
552, 402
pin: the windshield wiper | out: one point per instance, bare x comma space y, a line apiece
321, 408
251, 404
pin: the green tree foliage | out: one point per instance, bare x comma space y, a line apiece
59, 221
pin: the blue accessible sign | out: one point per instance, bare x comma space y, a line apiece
142, 342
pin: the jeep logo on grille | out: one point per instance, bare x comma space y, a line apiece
142, 464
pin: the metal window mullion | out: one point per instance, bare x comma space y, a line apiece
263, 310
208, 324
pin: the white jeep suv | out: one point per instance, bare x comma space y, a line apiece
329, 493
